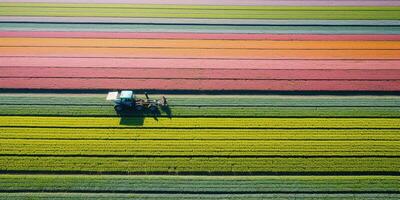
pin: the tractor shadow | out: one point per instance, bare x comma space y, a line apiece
136, 118
131, 121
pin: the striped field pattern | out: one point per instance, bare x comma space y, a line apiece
333, 45
353, 140
268, 99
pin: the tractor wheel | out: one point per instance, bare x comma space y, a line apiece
118, 108
153, 109
139, 107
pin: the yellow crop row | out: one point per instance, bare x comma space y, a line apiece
198, 147
10, 121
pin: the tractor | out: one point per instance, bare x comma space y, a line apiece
126, 100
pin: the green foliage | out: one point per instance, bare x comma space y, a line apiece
222, 184
205, 12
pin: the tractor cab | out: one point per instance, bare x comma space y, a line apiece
122, 100
127, 97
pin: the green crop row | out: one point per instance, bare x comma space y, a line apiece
210, 100
158, 196
200, 134
48, 99
203, 111
12, 121
204, 165
208, 12
199, 148
221, 184
196, 7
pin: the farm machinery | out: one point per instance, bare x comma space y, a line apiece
126, 101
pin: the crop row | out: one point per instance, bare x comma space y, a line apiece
72, 28
174, 63
205, 74
222, 184
205, 12
104, 122
198, 148
188, 53
200, 134
200, 85
199, 165
158, 196
193, 43
209, 100
205, 111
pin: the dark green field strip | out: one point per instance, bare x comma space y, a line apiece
200, 184
107, 196
201, 134
204, 111
199, 165
209, 100
207, 12
209, 148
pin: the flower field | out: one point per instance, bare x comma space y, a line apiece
342, 137
57, 46
267, 99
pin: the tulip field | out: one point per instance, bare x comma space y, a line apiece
267, 99
208, 146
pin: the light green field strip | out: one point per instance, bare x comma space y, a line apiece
204, 100
195, 7
67, 99
199, 105
195, 165
204, 111
204, 184
210, 12
200, 134
198, 148
147, 122
201, 28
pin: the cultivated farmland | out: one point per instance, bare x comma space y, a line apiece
271, 99
356, 140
